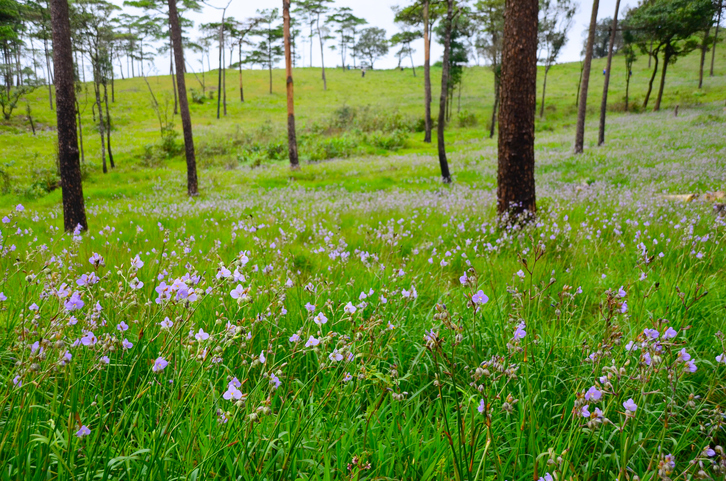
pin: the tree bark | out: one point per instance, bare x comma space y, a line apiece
74, 210
291, 137
582, 106
666, 60
652, 78
627, 88
219, 73
715, 37
443, 162
176, 36
518, 92
427, 71
604, 103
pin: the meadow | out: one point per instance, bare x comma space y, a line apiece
357, 319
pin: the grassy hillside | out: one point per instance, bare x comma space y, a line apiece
388, 105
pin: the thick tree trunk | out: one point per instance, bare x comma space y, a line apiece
176, 36
604, 103
650, 84
74, 210
666, 60
291, 137
427, 71
582, 106
443, 162
715, 37
704, 49
544, 91
518, 92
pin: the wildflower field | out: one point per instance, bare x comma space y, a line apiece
310, 328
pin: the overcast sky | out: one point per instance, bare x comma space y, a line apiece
379, 13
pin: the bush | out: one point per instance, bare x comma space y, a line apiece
467, 119
393, 141
198, 97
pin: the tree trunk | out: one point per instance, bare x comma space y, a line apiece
241, 88
427, 72
176, 36
80, 132
579, 85
544, 91
322, 56
173, 83
666, 60
650, 84
108, 127
224, 83
704, 48
582, 107
518, 92
74, 210
50, 81
291, 137
101, 122
497, 88
627, 87
443, 162
410, 55
715, 36
219, 72
604, 103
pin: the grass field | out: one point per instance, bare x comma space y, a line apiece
358, 320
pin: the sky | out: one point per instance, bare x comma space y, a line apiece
379, 13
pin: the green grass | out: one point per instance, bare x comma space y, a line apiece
224, 145
405, 404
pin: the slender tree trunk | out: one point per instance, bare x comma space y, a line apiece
427, 71
650, 53
666, 61
50, 81
241, 88
108, 127
579, 85
173, 82
715, 37
582, 107
176, 36
604, 103
322, 56
113, 88
544, 91
291, 137
410, 55
224, 84
497, 88
219, 72
80, 132
627, 87
443, 162
518, 86
101, 122
704, 48
74, 210
652, 78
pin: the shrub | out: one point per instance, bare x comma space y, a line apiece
467, 119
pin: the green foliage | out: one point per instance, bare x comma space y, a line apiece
372, 44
